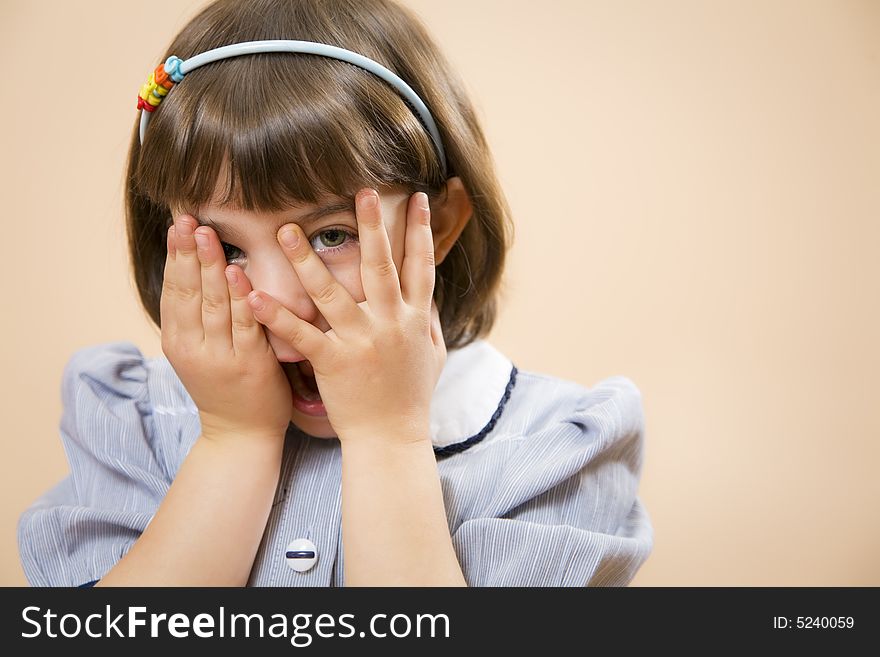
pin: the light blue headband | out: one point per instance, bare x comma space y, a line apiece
165, 76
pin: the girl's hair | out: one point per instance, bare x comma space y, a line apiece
286, 129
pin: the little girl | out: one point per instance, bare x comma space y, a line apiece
317, 229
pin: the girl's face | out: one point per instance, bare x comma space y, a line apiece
250, 241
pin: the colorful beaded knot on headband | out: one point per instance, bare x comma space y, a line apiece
159, 84
174, 69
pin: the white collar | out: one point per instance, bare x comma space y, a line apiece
473, 388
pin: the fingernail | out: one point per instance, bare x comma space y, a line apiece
184, 228
231, 276
201, 240
369, 199
289, 238
422, 200
256, 301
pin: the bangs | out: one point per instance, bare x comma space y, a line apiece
282, 130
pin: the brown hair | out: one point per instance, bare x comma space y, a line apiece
292, 128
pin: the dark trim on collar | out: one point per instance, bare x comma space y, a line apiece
455, 448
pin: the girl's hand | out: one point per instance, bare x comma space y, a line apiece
214, 344
377, 368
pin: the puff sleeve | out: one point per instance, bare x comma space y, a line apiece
558, 505
78, 530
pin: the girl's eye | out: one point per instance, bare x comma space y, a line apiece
327, 242
228, 251
333, 240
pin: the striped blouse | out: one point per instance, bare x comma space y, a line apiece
539, 475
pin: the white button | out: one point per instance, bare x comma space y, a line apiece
301, 555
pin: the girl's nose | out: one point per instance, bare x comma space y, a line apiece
278, 278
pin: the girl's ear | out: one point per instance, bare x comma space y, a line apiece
449, 215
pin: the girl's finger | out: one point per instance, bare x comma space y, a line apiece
187, 282
378, 271
306, 338
166, 301
437, 336
247, 332
417, 272
332, 299
216, 315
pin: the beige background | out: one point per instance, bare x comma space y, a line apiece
695, 189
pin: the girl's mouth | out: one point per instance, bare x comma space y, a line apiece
304, 388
